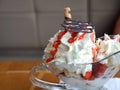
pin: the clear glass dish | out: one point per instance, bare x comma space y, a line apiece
75, 82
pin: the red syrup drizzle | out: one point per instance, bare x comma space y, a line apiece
73, 35
55, 45
94, 53
94, 49
81, 36
92, 37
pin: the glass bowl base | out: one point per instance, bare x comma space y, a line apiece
68, 87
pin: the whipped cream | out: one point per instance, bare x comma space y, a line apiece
107, 47
71, 56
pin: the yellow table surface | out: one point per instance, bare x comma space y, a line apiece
14, 75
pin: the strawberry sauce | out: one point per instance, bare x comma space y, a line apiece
55, 45
92, 37
73, 35
81, 36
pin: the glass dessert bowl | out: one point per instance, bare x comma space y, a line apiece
102, 71
77, 59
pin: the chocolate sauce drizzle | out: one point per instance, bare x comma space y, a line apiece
77, 26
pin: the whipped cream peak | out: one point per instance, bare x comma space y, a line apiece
109, 45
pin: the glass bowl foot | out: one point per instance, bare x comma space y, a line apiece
68, 87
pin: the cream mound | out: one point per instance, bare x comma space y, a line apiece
68, 50
108, 46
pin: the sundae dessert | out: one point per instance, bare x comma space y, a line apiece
79, 59
73, 50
